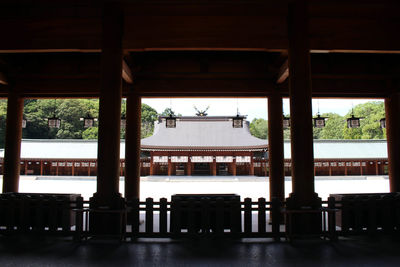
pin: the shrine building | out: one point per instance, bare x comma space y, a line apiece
201, 145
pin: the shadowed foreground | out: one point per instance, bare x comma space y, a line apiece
23, 251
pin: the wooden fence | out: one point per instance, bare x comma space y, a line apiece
193, 218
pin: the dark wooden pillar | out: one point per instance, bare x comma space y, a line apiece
300, 108
392, 109
11, 169
251, 172
108, 157
275, 147
151, 171
234, 167
132, 146
169, 166
214, 166
189, 167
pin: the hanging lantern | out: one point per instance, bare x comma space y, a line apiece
286, 122
383, 123
170, 122
237, 122
23, 123
353, 122
54, 122
123, 121
88, 121
319, 122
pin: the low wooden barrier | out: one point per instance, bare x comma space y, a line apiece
368, 213
207, 217
32, 212
196, 218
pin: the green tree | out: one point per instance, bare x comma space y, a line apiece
333, 126
371, 112
259, 128
90, 133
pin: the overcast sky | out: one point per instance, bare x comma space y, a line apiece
252, 107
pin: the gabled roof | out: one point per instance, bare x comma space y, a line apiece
203, 133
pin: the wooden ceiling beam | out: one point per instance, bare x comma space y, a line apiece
3, 79
256, 25
283, 72
126, 73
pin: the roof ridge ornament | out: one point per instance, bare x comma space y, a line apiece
201, 113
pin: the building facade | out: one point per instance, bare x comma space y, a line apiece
202, 146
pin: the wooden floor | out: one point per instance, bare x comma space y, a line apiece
24, 251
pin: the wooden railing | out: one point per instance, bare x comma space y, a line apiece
193, 218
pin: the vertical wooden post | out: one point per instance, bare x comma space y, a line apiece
12, 165
303, 193
41, 167
25, 167
361, 168
275, 148
151, 164
73, 168
345, 168
377, 168
169, 166
392, 109
234, 166
189, 166
330, 169
214, 166
108, 157
132, 145
251, 172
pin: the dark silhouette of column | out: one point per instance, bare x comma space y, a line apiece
12, 162
392, 109
132, 146
303, 196
108, 157
275, 147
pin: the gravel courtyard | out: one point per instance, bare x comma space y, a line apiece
164, 186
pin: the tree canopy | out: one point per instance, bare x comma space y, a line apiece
37, 111
336, 125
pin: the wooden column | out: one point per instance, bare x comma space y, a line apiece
234, 167
169, 166
330, 169
108, 157
151, 171
275, 147
73, 168
251, 171
189, 167
392, 109
41, 167
377, 169
214, 166
303, 193
132, 146
12, 164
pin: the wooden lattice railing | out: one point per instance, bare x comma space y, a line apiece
51, 214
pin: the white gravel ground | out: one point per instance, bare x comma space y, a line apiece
163, 186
